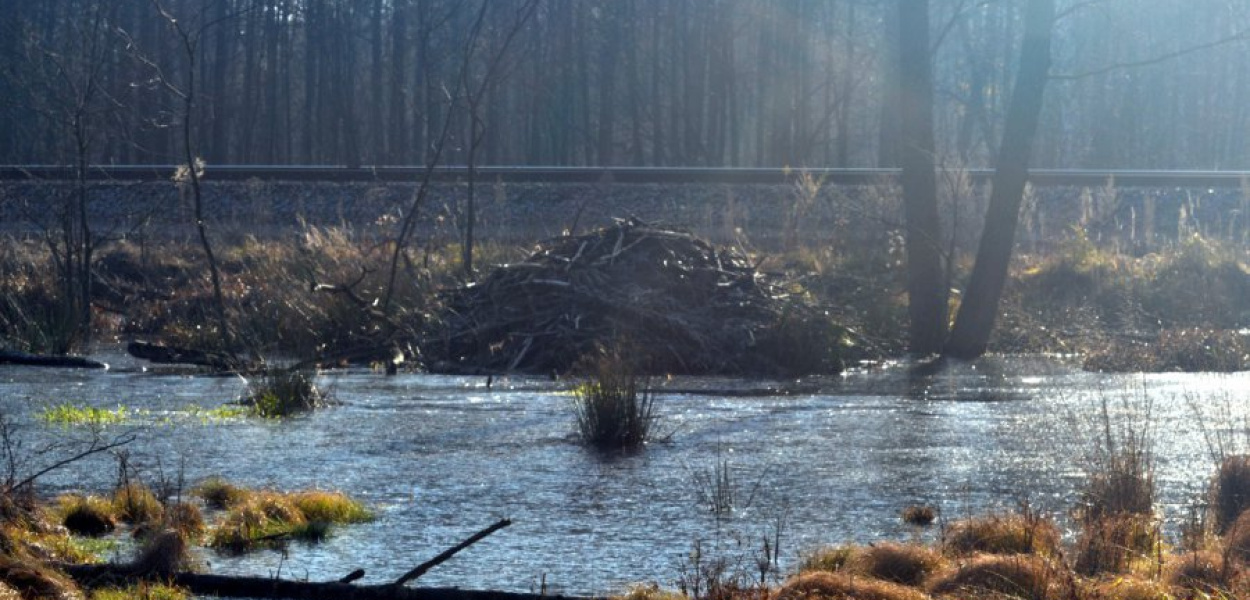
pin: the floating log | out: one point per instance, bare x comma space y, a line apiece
171, 355
9, 357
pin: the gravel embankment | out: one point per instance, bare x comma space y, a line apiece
519, 212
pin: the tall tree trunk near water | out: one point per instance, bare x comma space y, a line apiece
979, 308
925, 289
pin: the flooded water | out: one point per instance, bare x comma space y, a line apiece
439, 458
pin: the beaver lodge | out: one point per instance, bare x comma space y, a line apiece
674, 302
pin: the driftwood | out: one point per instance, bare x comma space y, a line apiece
170, 355
8, 357
675, 303
268, 587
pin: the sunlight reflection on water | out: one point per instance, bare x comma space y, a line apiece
441, 457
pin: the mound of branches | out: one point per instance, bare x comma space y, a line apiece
686, 307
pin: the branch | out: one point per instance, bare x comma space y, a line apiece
94, 448
1242, 35
450, 552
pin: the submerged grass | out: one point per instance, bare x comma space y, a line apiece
72, 414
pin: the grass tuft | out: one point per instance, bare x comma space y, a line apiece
612, 412
1024, 533
330, 507
830, 559
1018, 576
219, 494
1200, 573
843, 586
90, 516
134, 503
1113, 544
904, 564
282, 393
919, 515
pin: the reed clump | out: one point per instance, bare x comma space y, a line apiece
612, 407
919, 515
141, 591
281, 393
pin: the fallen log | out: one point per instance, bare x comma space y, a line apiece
9, 357
267, 587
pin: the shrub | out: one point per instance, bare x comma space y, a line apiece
906, 564
283, 392
843, 586
1231, 490
134, 503
1018, 576
612, 412
87, 515
220, 494
1026, 533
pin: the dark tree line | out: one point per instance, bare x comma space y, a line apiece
625, 82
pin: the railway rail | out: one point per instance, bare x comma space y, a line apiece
669, 175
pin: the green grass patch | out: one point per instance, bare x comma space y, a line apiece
330, 507
72, 414
141, 591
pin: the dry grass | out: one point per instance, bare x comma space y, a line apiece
822, 585
1013, 533
32, 579
134, 503
1200, 572
1018, 576
1126, 588
904, 564
220, 494
830, 559
1113, 544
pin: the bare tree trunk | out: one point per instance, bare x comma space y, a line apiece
979, 308
926, 293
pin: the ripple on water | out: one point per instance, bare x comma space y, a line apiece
441, 457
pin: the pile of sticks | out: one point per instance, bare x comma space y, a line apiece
679, 305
